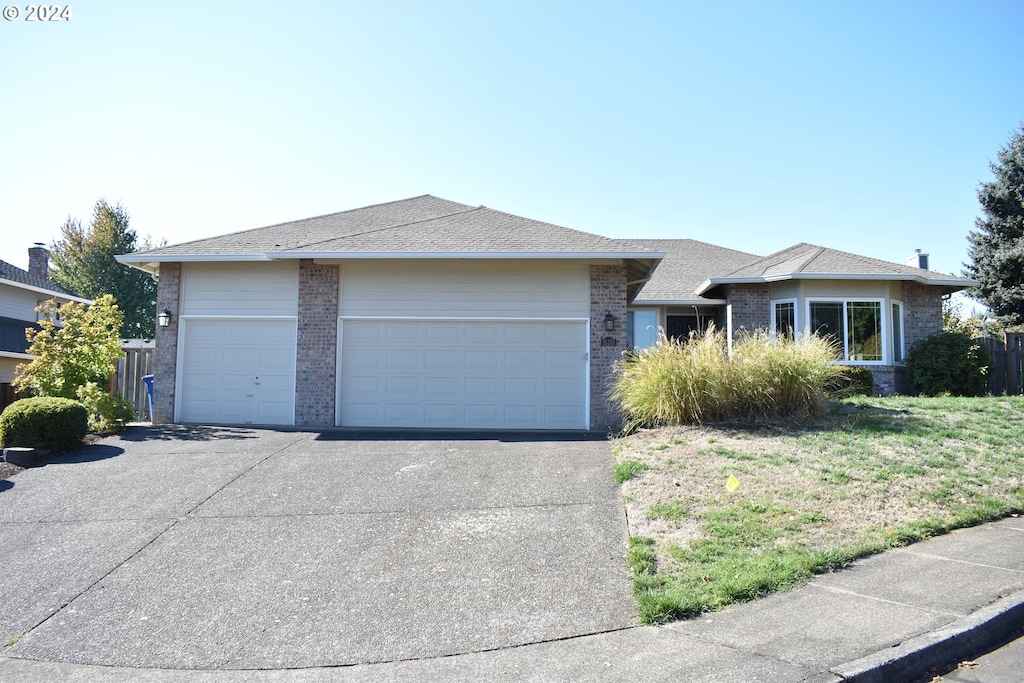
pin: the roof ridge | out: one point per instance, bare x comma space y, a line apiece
310, 218
24, 277
702, 242
471, 209
553, 225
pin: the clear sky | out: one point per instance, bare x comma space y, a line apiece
860, 126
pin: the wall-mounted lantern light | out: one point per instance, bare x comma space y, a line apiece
609, 322
163, 319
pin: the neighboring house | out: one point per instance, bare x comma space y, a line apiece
20, 292
426, 313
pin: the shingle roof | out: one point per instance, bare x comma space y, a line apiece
16, 274
687, 264
12, 334
424, 224
811, 261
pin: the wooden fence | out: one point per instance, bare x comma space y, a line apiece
1007, 375
127, 378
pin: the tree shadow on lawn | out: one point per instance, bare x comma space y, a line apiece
840, 418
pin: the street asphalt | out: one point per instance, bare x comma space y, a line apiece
231, 554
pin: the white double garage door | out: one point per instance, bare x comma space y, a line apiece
486, 374
434, 371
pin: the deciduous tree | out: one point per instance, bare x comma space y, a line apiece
69, 355
83, 261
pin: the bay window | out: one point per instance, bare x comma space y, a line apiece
856, 326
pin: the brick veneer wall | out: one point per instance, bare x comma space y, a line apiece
607, 294
165, 355
751, 307
922, 312
316, 358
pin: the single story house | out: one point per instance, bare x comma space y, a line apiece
427, 313
21, 291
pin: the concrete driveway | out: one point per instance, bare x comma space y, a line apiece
219, 548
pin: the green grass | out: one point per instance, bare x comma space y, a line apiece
627, 469
674, 510
815, 494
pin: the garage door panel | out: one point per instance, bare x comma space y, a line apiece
521, 386
402, 414
475, 374
441, 334
442, 415
555, 360
442, 360
527, 334
237, 371
523, 361
435, 387
482, 334
482, 359
403, 333
401, 386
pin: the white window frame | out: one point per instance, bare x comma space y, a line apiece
883, 310
899, 356
796, 315
657, 327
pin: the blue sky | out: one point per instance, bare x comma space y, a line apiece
861, 126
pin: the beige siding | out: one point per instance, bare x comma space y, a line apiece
7, 368
252, 289
20, 304
790, 289
465, 289
845, 289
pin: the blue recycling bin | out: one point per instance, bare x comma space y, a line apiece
148, 379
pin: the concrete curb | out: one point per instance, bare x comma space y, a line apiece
963, 639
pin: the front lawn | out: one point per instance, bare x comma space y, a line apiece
813, 494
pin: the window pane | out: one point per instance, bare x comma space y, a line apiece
644, 332
897, 333
785, 320
864, 330
827, 320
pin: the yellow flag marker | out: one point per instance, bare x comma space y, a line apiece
733, 483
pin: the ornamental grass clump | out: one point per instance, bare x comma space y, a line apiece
697, 380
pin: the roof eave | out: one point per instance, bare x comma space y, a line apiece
51, 294
904, 277
588, 255
680, 302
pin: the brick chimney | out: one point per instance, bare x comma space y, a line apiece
39, 261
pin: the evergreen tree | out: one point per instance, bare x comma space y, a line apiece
83, 261
997, 246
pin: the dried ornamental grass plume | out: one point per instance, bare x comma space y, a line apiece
696, 380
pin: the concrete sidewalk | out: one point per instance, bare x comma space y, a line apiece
891, 617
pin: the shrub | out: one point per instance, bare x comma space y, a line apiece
107, 413
696, 380
948, 363
58, 424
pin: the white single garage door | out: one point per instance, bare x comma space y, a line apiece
464, 374
237, 372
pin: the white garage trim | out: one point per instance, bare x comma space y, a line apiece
273, 375
583, 349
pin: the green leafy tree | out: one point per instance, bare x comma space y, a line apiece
997, 246
83, 261
70, 355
